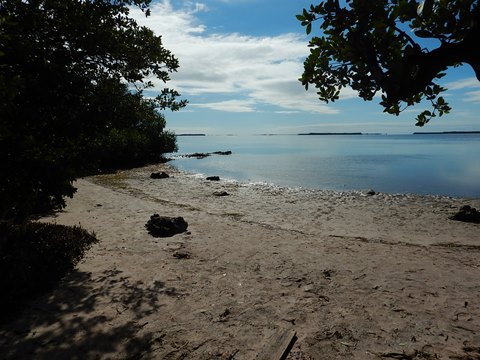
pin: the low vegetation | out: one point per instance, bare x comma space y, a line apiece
72, 103
34, 257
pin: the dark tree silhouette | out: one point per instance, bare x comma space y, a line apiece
376, 46
71, 84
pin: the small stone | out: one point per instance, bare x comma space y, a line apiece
182, 254
213, 178
221, 193
308, 288
327, 274
371, 192
225, 313
159, 175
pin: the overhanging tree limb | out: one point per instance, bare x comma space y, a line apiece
375, 53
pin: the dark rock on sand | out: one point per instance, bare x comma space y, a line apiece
467, 214
163, 226
371, 192
213, 178
159, 175
182, 254
221, 193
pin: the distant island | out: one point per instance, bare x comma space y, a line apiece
445, 132
332, 133
191, 134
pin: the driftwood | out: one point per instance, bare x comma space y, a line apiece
279, 345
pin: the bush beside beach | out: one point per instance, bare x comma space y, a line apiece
34, 257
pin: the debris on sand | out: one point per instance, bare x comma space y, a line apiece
163, 226
159, 175
467, 214
221, 193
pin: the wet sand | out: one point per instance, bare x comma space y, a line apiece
355, 276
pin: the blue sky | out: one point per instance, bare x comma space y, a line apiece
240, 61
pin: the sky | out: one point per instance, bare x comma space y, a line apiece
240, 61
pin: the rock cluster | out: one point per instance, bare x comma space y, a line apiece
467, 214
159, 175
163, 226
204, 155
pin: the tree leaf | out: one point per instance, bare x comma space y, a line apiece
423, 33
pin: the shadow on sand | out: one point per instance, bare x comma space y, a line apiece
66, 323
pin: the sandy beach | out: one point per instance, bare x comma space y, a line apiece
354, 276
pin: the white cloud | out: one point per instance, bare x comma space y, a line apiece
467, 83
263, 69
472, 96
349, 93
229, 105
463, 84
197, 7
415, 110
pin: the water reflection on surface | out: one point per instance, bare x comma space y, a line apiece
421, 164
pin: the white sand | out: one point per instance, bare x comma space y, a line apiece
356, 276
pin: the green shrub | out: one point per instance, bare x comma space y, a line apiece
138, 145
70, 72
34, 257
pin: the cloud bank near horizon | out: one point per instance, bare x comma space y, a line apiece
236, 81
244, 73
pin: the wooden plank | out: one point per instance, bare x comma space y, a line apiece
279, 345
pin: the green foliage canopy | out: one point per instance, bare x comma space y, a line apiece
376, 46
67, 70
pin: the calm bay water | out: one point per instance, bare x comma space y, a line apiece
419, 164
